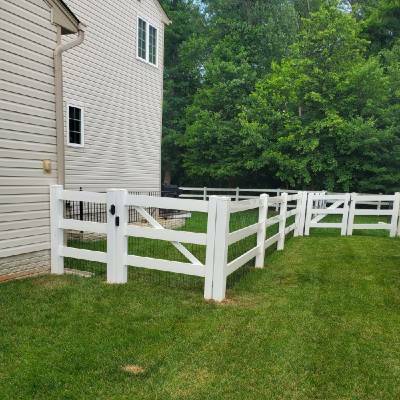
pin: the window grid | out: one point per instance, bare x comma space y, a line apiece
75, 125
142, 39
152, 45
147, 42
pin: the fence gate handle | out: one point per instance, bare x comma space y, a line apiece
112, 209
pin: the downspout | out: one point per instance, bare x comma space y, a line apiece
59, 93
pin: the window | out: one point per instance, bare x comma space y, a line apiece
142, 39
152, 45
75, 126
147, 42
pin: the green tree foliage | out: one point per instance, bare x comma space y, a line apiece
380, 21
301, 93
243, 39
182, 78
320, 119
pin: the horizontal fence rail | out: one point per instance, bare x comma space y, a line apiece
393, 202
276, 215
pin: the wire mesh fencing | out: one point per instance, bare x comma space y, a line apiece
91, 212
165, 250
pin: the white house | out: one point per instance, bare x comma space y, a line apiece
113, 89
80, 104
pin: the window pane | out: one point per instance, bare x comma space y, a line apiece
142, 39
152, 45
77, 113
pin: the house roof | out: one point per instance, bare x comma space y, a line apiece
62, 15
166, 20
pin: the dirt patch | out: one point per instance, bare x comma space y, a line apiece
133, 369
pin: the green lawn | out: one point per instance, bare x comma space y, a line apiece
321, 321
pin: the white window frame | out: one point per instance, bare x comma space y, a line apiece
82, 108
148, 24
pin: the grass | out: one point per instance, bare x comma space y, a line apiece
321, 321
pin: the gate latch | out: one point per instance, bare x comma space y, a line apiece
112, 209
116, 221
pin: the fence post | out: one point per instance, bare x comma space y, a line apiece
349, 210
117, 242
278, 193
282, 222
221, 247
379, 203
57, 234
302, 214
395, 215
398, 226
262, 226
309, 214
299, 204
205, 193
237, 194
80, 208
210, 249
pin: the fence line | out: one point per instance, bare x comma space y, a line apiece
298, 213
316, 214
393, 226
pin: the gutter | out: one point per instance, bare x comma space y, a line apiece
59, 93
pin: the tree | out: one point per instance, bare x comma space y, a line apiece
242, 40
182, 78
318, 119
381, 21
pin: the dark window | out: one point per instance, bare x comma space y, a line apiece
142, 45
75, 125
152, 45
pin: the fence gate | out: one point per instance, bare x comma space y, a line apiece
333, 204
391, 211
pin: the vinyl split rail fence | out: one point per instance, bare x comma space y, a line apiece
216, 239
235, 194
335, 204
392, 212
298, 213
224, 238
347, 206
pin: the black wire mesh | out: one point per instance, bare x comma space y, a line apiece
85, 211
238, 221
159, 249
169, 219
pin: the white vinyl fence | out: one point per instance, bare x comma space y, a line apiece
235, 194
216, 240
298, 213
334, 204
348, 206
391, 212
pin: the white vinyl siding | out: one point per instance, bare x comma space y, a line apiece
122, 98
27, 133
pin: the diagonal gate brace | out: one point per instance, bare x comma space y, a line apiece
179, 246
333, 206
